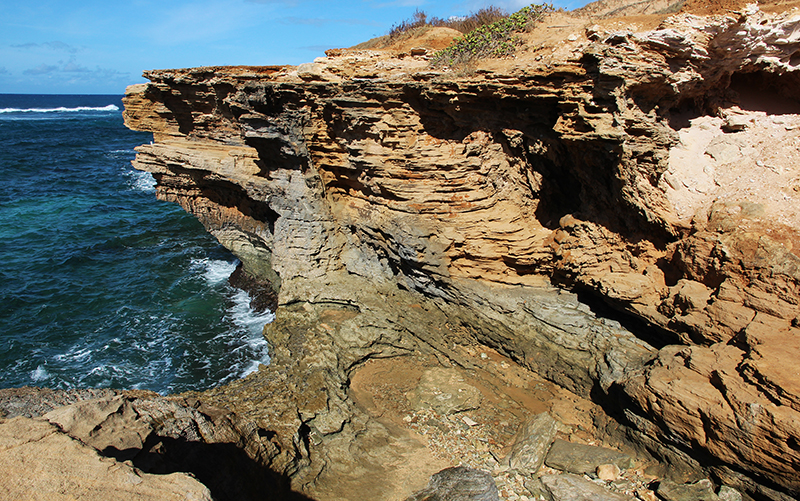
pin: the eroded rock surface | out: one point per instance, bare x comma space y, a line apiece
581, 459
74, 470
131, 445
594, 209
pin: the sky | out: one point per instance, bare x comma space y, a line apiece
100, 47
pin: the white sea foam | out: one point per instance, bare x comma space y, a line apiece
244, 316
40, 374
215, 271
142, 181
60, 109
75, 355
253, 324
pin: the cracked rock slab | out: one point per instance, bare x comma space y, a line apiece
580, 459
567, 487
444, 391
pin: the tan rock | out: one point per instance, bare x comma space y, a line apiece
608, 472
39, 462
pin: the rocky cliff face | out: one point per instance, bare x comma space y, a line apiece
616, 210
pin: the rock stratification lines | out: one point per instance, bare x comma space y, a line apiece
610, 211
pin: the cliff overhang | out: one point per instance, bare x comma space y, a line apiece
617, 213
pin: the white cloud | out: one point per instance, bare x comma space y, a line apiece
208, 21
42, 69
56, 45
71, 71
73, 67
318, 21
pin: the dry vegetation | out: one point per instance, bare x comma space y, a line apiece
464, 24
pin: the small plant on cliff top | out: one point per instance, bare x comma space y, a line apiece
497, 39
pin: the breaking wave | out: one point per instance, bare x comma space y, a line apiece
60, 109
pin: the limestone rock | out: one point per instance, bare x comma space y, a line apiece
445, 392
608, 472
579, 458
532, 443
726, 493
568, 487
39, 462
702, 490
143, 436
34, 402
410, 209
459, 484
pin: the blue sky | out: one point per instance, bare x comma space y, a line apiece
99, 47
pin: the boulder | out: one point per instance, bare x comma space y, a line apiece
531, 444
459, 484
702, 490
584, 459
567, 487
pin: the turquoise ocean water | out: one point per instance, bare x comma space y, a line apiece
102, 285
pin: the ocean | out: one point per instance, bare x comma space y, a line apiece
102, 285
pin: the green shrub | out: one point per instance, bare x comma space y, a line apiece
497, 39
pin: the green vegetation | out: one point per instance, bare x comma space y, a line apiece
497, 39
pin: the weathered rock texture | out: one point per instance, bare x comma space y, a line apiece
398, 210
76, 471
130, 445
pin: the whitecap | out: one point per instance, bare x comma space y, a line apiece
253, 367
75, 355
60, 109
40, 374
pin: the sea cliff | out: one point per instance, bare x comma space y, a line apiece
611, 216
615, 212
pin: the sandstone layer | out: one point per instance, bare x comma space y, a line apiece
616, 209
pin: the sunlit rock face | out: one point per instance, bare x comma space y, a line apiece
619, 215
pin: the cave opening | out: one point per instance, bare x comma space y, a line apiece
750, 90
767, 92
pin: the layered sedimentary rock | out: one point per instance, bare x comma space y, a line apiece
617, 212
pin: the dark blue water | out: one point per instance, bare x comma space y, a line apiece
102, 285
